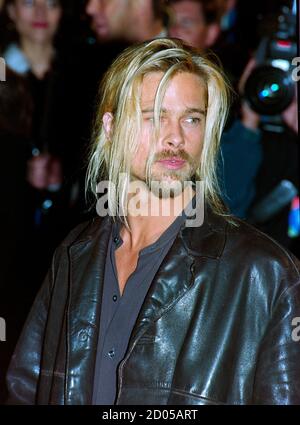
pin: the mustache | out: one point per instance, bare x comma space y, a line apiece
166, 154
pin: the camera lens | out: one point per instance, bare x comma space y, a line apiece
269, 90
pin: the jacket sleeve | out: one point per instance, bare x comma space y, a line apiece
24, 369
277, 379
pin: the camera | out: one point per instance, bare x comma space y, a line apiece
270, 88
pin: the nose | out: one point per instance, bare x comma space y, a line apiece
40, 9
173, 135
93, 7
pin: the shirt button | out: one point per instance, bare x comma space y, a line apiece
115, 298
111, 353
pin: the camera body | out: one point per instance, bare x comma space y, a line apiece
270, 87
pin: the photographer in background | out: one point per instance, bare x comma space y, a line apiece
271, 92
277, 180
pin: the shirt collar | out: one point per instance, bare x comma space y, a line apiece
165, 237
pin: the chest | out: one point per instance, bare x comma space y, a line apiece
126, 264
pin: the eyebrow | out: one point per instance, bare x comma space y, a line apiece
187, 111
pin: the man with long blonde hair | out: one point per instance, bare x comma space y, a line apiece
165, 298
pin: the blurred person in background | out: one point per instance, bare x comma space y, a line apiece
36, 23
216, 24
127, 20
197, 22
30, 51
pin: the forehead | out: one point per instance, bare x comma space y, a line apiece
183, 89
117, 5
188, 8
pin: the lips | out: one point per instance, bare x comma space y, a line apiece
40, 24
100, 27
173, 163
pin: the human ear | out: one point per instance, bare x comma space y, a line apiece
107, 120
212, 34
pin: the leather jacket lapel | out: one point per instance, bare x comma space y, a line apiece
170, 283
176, 274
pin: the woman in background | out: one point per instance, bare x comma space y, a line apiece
36, 24
30, 51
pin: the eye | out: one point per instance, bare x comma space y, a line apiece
193, 120
28, 3
149, 119
52, 3
186, 23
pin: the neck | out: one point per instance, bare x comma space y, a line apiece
156, 215
39, 56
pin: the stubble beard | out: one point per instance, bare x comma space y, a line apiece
170, 183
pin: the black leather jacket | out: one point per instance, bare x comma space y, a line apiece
215, 327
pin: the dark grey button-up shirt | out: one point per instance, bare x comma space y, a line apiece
119, 313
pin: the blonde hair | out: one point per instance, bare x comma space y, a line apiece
120, 94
